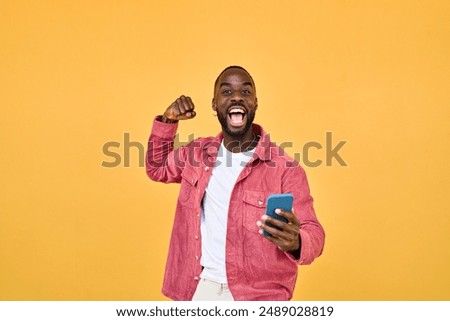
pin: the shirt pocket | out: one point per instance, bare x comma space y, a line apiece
188, 189
254, 207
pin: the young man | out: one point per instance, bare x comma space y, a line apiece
218, 250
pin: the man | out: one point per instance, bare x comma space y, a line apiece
218, 250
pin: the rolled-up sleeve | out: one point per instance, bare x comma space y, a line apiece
163, 162
312, 234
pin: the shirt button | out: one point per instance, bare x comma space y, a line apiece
196, 237
260, 202
196, 278
206, 168
196, 257
198, 214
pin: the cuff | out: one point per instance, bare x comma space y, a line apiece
164, 130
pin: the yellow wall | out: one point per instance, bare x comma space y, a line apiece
77, 74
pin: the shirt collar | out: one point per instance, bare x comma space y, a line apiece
262, 151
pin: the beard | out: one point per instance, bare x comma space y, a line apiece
235, 133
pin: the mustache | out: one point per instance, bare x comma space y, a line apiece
236, 104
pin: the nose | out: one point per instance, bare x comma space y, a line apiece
236, 96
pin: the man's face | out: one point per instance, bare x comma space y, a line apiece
235, 102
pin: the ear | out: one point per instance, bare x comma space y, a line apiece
213, 104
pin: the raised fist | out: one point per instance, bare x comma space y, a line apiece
180, 109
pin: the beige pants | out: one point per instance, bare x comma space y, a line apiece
212, 291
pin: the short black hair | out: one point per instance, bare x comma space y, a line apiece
231, 67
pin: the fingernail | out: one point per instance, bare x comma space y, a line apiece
258, 223
278, 211
264, 217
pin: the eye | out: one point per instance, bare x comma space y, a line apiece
226, 92
246, 92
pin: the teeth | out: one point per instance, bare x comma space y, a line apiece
236, 110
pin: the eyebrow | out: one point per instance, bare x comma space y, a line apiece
247, 83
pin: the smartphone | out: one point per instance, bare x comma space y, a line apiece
281, 201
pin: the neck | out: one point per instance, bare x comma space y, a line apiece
240, 144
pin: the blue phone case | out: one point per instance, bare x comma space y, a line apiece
281, 201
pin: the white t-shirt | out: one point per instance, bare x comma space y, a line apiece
214, 218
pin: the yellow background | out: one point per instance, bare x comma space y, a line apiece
77, 74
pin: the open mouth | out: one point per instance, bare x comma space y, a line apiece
237, 116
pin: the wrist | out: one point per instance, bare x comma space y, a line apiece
166, 120
296, 253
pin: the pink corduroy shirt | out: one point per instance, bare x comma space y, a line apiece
256, 269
